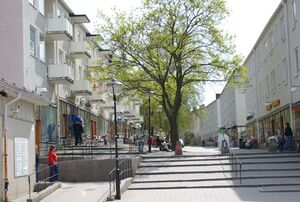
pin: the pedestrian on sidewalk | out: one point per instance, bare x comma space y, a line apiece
37, 163
52, 162
78, 130
288, 134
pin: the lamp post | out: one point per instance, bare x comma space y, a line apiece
149, 92
114, 83
159, 118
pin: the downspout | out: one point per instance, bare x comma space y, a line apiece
256, 97
5, 128
284, 3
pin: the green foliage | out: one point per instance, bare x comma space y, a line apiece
189, 139
171, 47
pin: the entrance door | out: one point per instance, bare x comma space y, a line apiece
273, 126
38, 133
281, 124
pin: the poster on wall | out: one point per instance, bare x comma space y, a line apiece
21, 156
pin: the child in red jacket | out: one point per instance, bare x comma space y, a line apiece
52, 162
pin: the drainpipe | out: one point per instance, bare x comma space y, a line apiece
284, 3
256, 97
5, 128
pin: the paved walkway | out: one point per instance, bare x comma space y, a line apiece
78, 192
91, 192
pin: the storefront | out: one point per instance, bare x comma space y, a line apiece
91, 121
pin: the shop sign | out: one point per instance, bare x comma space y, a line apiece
296, 108
269, 107
275, 103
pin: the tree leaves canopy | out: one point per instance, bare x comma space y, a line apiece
171, 47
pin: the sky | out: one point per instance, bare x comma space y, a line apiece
246, 22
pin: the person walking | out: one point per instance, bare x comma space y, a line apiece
288, 134
37, 163
52, 162
78, 130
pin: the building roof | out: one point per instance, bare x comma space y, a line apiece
12, 89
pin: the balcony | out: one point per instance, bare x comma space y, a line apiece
94, 62
79, 50
59, 29
60, 74
97, 98
82, 87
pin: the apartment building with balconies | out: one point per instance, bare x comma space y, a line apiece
46, 52
273, 68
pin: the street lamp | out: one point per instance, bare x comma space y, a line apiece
114, 83
150, 93
159, 111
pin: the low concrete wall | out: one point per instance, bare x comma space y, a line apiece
90, 170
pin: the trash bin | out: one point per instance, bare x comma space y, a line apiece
272, 143
224, 147
178, 148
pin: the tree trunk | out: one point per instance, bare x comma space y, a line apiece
173, 131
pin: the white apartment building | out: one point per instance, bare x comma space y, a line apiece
232, 109
273, 66
210, 122
45, 54
227, 111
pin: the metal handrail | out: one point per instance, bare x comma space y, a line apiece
125, 169
235, 162
37, 173
233, 158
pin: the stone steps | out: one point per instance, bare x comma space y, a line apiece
259, 169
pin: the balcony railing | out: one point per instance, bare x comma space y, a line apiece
60, 74
59, 29
82, 87
79, 50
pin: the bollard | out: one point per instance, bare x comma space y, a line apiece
178, 148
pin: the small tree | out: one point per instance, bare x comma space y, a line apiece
171, 47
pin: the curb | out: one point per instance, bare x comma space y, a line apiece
44, 193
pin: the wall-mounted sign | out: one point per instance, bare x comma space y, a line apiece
275, 103
269, 107
249, 116
21, 156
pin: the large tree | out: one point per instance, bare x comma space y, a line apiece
171, 47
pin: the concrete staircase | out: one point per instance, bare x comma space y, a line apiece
259, 169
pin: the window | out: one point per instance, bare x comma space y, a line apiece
267, 87
42, 48
61, 57
42, 7
260, 91
284, 70
273, 81
271, 43
294, 12
296, 51
32, 2
282, 28
58, 13
32, 42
